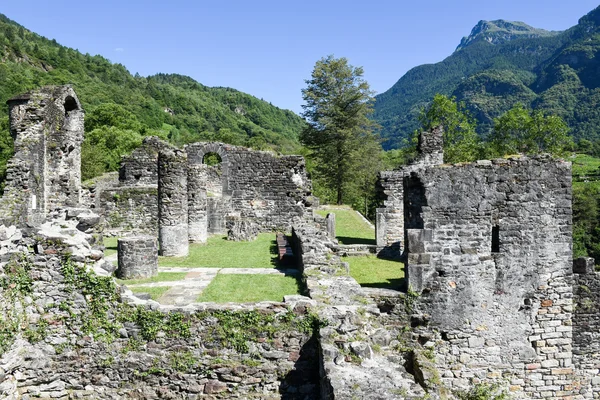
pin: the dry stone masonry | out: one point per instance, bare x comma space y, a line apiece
197, 204
45, 172
138, 257
586, 326
493, 300
173, 203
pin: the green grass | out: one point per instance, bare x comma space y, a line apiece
350, 228
110, 243
376, 272
161, 277
245, 288
155, 292
219, 252
584, 164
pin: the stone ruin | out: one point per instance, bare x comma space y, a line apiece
493, 296
45, 173
246, 193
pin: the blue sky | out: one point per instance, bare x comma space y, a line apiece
268, 48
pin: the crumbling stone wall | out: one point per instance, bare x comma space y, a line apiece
130, 208
489, 251
586, 326
129, 203
45, 172
141, 166
360, 353
268, 189
197, 203
80, 336
389, 219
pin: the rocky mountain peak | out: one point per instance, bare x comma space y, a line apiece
501, 31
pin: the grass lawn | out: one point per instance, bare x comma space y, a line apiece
350, 228
161, 277
376, 272
110, 243
222, 253
154, 292
242, 288
584, 164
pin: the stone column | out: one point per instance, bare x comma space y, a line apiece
197, 216
172, 203
138, 257
331, 225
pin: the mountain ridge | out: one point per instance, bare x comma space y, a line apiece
501, 31
554, 71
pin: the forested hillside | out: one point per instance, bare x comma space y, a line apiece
127, 107
500, 64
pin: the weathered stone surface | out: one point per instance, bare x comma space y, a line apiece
172, 203
45, 171
197, 203
66, 360
138, 257
239, 229
331, 225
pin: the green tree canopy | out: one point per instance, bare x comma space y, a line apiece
461, 142
338, 102
522, 130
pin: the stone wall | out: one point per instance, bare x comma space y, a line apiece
129, 204
80, 336
141, 166
271, 190
197, 204
130, 209
489, 251
361, 354
45, 171
266, 190
389, 218
586, 326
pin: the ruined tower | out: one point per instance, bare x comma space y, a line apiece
45, 171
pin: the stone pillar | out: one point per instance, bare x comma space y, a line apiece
45, 171
331, 225
197, 215
380, 228
172, 203
430, 148
216, 211
138, 257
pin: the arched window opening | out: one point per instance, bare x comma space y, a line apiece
211, 159
70, 104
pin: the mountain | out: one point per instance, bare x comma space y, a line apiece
173, 106
498, 65
501, 31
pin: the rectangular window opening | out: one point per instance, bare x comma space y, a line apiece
496, 239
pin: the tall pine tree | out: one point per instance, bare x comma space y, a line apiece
337, 104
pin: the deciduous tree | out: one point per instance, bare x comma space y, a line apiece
461, 142
521, 130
